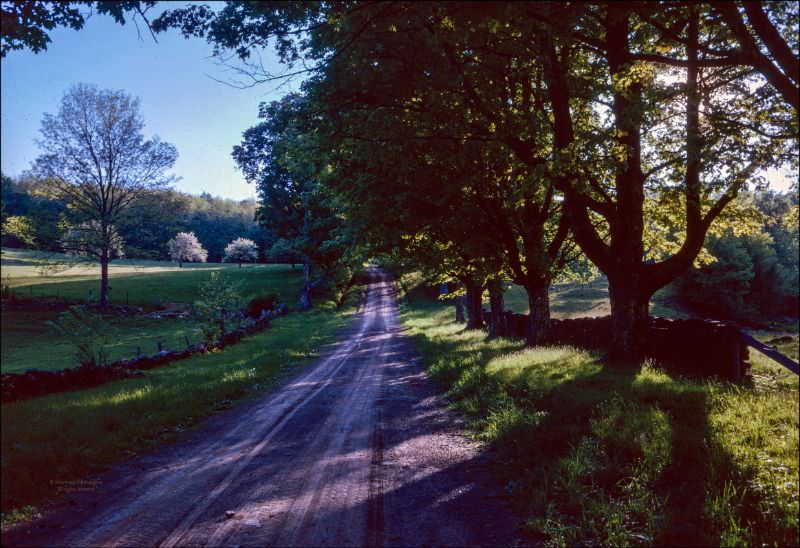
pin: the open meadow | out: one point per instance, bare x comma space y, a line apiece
28, 341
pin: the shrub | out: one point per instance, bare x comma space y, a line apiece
219, 304
87, 331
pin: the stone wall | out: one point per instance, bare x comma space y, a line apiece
34, 382
691, 347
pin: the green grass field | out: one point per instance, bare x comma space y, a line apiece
605, 456
589, 300
28, 342
140, 283
68, 435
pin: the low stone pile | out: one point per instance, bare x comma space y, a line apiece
34, 382
692, 347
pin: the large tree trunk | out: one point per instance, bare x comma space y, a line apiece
497, 319
630, 319
459, 302
474, 304
305, 293
305, 297
104, 278
539, 314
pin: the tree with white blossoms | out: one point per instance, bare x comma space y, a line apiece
185, 247
241, 250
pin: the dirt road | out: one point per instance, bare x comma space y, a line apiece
360, 449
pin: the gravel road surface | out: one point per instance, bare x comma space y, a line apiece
357, 450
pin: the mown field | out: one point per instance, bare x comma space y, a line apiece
138, 283
69, 435
28, 341
624, 457
589, 300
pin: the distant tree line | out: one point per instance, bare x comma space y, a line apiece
34, 221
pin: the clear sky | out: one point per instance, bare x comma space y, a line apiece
204, 119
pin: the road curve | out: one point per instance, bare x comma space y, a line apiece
358, 450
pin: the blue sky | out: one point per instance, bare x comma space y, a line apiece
204, 119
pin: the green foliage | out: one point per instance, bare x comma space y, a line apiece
261, 303
26, 23
218, 306
753, 277
20, 228
26, 198
283, 158
155, 217
498, 138
88, 333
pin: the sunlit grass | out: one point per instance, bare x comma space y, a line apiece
28, 342
607, 456
141, 283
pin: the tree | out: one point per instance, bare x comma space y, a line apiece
283, 157
25, 22
241, 250
98, 161
613, 105
667, 140
185, 247
90, 239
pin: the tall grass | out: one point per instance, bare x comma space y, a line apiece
611, 456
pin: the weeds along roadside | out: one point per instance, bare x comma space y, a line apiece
604, 456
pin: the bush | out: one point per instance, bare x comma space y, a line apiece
219, 305
87, 331
259, 304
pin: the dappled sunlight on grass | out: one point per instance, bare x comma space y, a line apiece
612, 455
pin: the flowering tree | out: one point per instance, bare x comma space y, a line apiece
185, 247
241, 250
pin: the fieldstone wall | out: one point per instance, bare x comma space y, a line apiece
34, 382
692, 347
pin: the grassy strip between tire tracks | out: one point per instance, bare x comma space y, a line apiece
64, 437
604, 456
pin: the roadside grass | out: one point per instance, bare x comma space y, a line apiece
28, 342
70, 435
603, 455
